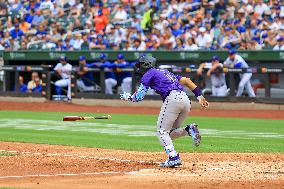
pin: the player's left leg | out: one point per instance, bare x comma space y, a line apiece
249, 89
189, 130
126, 84
222, 91
169, 113
242, 83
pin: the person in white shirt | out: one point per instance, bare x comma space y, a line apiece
260, 7
190, 45
236, 61
218, 80
137, 46
63, 69
47, 4
78, 41
204, 39
279, 45
120, 15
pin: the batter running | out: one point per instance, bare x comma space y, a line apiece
175, 108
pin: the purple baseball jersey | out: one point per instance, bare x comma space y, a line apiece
162, 81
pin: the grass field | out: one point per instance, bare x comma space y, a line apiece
137, 132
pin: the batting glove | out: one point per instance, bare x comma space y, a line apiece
126, 96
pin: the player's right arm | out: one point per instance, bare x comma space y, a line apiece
200, 69
196, 90
213, 69
58, 69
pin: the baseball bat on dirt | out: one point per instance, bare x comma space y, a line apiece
78, 118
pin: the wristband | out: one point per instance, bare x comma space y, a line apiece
197, 92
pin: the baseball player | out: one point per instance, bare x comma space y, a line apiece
175, 108
63, 69
110, 79
124, 77
236, 61
86, 81
218, 80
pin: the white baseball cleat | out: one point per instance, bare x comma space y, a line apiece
171, 162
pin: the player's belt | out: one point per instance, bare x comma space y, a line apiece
218, 86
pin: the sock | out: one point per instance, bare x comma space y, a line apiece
170, 150
58, 90
187, 128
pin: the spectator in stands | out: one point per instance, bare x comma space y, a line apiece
78, 41
23, 86
204, 39
38, 18
100, 21
120, 15
38, 86
32, 83
98, 42
190, 45
137, 45
280, 44
124, 77
170, 20
86, 81
17, 32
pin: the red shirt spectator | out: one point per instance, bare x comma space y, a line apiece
101, 21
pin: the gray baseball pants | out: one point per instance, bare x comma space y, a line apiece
173, 113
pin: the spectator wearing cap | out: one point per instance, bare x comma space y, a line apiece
17, 32
110, 79
176, 30
86, 81
255, 44
123, 77
100, 21
280, 44
204, 39
63, 69
98, 42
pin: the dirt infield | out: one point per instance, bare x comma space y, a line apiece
50, 166
46, 166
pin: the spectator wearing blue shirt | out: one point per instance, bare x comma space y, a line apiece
176, 31
110, 79
38, 86
17, 32
23, 86
124, 77
240, 28
175, 13
87, 80
38, 18
98, 42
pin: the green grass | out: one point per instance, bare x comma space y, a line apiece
218, 134
6, 154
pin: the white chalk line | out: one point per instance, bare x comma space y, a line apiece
62, 174
79, 156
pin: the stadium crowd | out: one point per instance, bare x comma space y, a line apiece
141, 24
